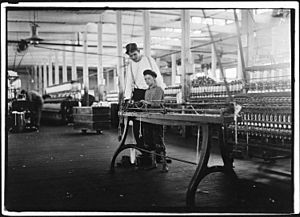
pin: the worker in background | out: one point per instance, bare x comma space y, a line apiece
87, 99
36, 107
153, 133
135, 86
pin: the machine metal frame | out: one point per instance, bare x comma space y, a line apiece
207, 123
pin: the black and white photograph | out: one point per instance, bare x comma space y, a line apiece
149, 108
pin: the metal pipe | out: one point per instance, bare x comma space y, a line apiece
172, 158
198, 103
210, 111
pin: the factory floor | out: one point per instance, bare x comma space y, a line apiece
61, 169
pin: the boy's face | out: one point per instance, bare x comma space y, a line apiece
135, 56
149, 80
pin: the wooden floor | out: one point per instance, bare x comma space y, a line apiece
60, 169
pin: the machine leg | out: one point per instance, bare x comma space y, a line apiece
122, 145
225, 153
201, 170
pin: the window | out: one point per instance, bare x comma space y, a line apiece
220, 22
230, 73
262, 11
196, 20
229, 22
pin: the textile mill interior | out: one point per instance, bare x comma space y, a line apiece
143, 108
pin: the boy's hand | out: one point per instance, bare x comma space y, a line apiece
128, 101
144, 101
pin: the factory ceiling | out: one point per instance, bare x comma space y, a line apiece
66, 27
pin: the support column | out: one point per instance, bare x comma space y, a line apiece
45, 80
31, 73
185, 59
56, 73
251, 39
147, 36
213, 62
40, 79
115, 79
185, 51
35, 74
247, 33
85, 64
221, 75
74, 71
206, 70
120, 69
107, 81
100, 79
64, 66
50, 80
157, 60
173, 75
193, 62
239, 73
243, 44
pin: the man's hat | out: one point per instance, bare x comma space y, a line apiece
131, 47
150, 72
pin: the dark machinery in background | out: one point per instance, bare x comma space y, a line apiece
112, 97
58, 106
59, 110
92, 118
19, 116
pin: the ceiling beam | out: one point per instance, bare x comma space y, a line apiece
55, 16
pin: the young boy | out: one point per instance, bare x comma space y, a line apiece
153, 133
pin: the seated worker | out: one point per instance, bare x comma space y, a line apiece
153, 133
36, 107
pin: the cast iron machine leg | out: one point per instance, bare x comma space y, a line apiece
202, 169
122, 144
200, 172
226, 153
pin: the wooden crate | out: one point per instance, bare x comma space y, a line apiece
91, 118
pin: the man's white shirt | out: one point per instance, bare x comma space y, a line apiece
135, 77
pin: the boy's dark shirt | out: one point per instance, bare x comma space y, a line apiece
154, 95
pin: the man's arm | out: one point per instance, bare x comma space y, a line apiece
128, 85
159, 79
